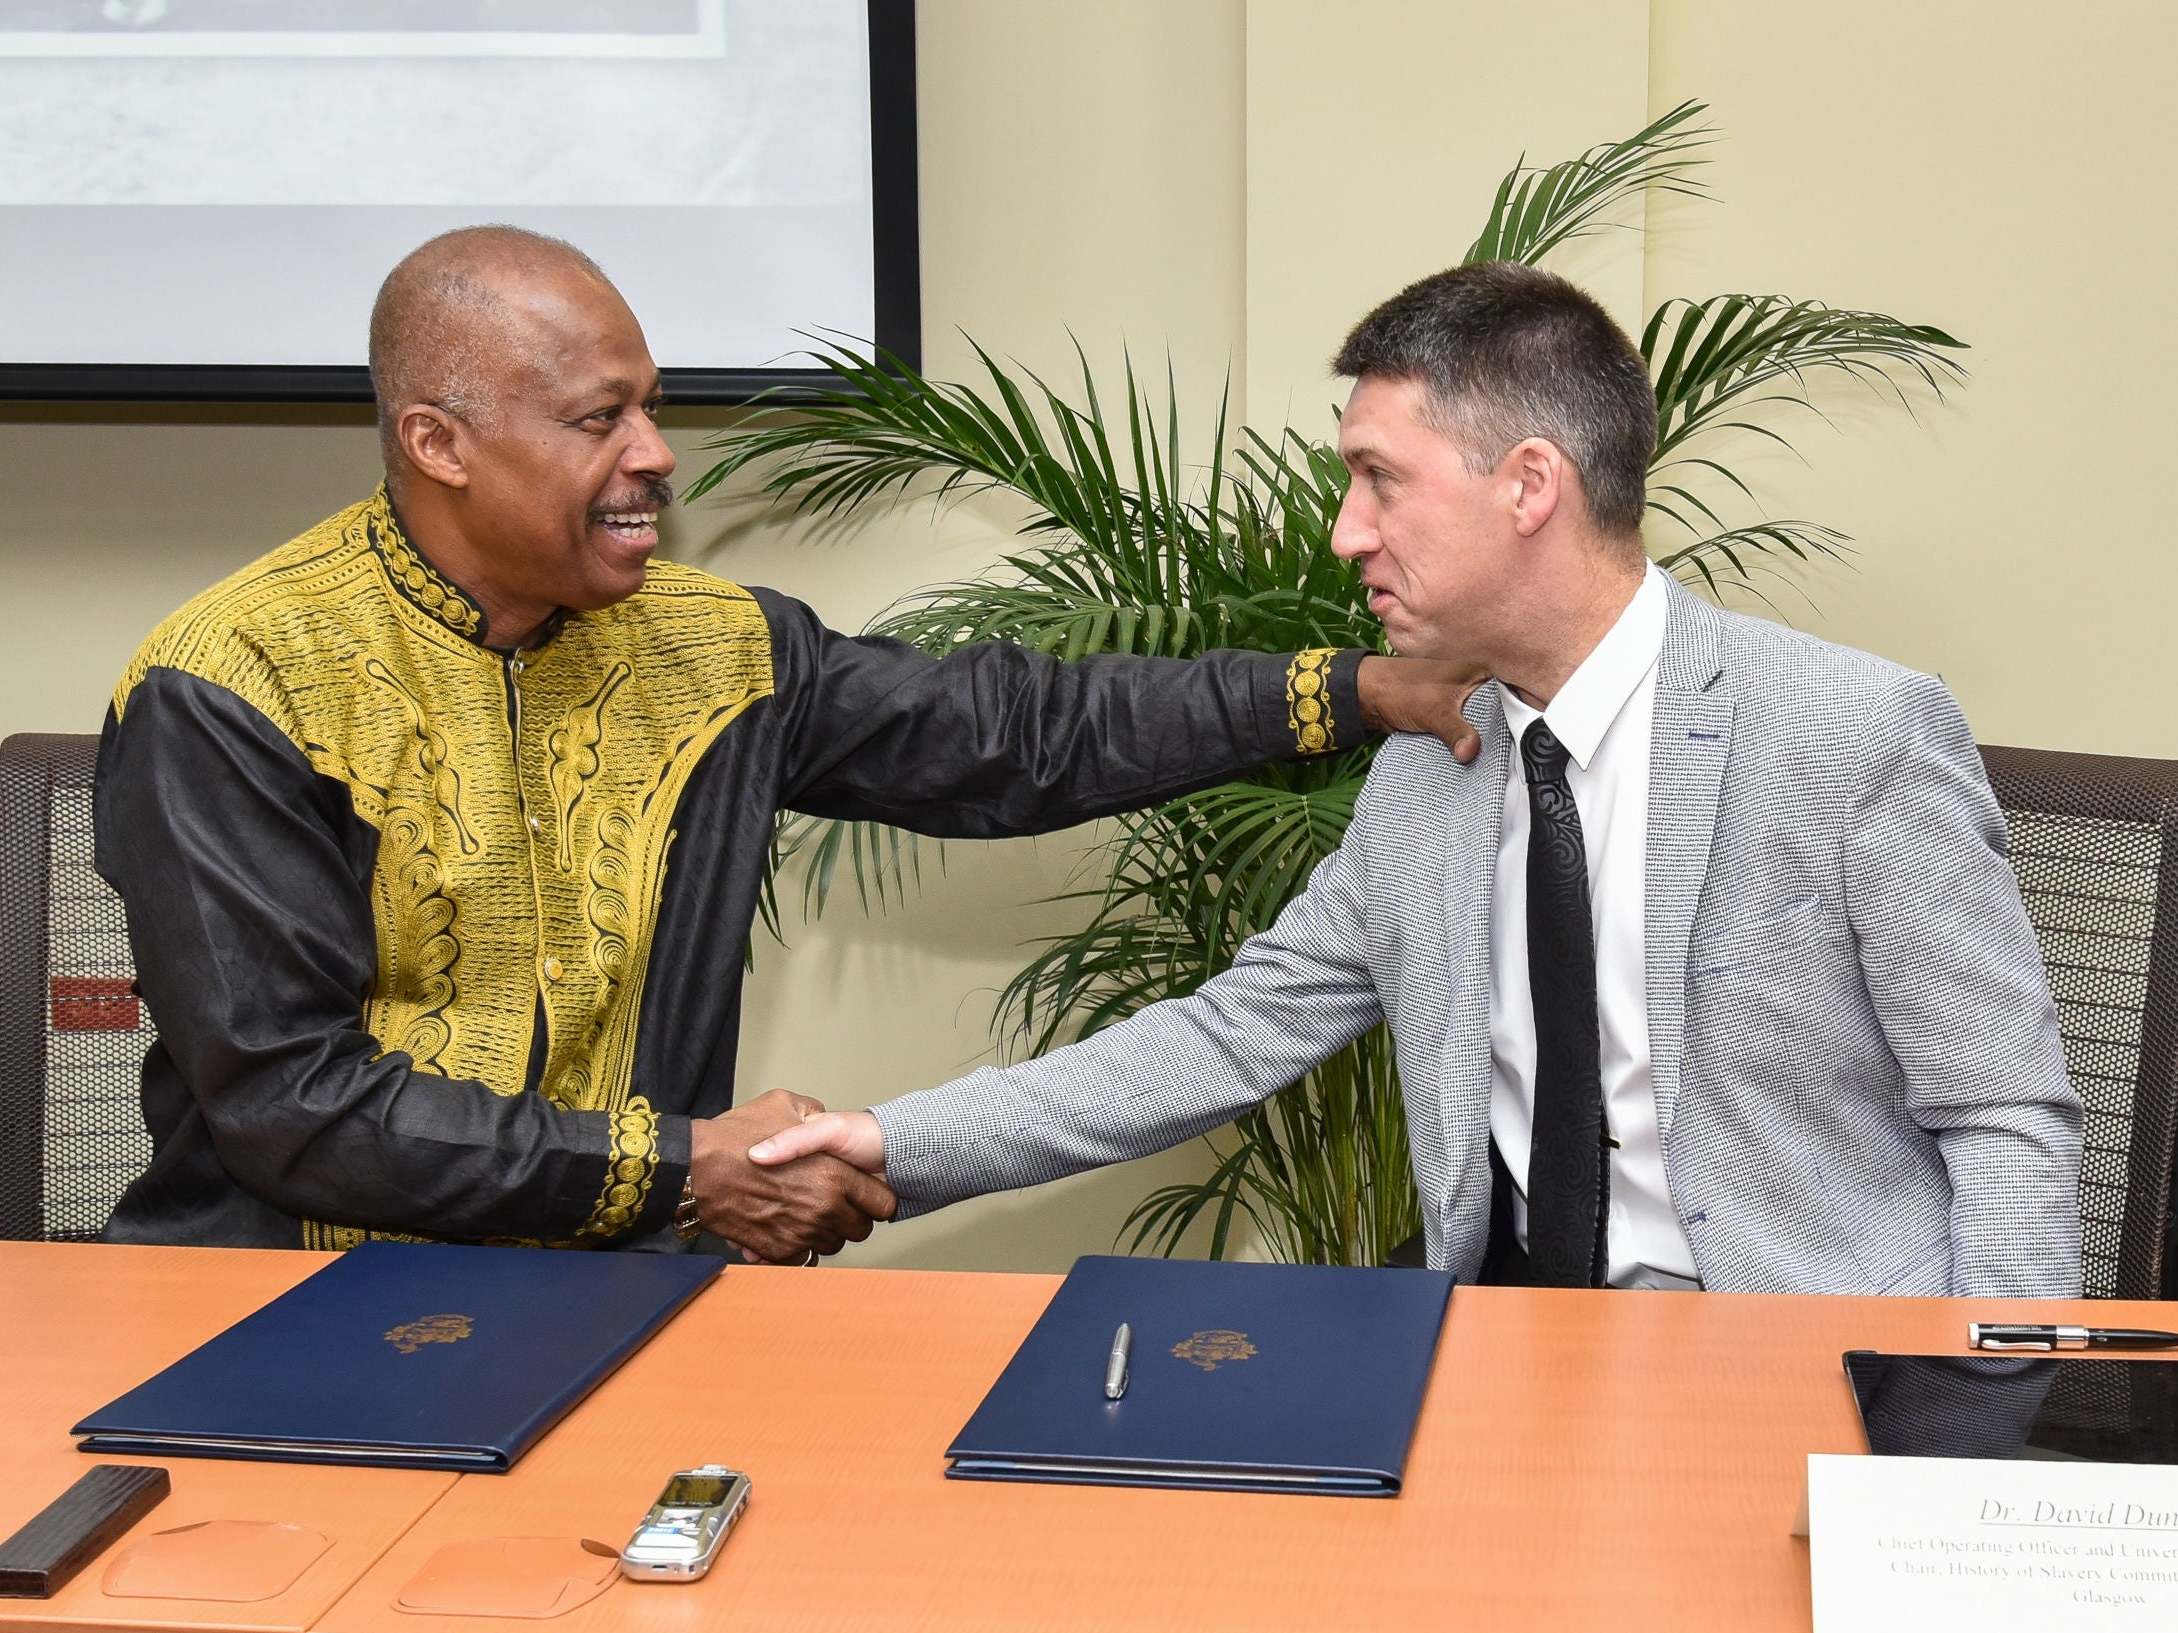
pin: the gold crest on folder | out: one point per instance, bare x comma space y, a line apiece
1207, 1349
411, 1336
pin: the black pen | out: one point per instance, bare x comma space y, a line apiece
2027, 1335
1115, 1364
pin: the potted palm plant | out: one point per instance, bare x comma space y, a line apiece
1122, 551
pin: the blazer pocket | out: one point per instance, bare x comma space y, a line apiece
1803, 920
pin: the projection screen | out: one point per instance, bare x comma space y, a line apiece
198, 198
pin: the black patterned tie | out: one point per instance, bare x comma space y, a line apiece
1569, 1173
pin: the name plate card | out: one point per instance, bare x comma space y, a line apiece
1915, 1543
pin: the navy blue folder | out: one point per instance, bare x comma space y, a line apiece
407, 1356
1244, 1377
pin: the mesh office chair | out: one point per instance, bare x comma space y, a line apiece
2094, 841
72, 1032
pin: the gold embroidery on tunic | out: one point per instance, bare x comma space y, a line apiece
417, 578
606, 906
432, 756
417, 948
323, 1238
631, 1163
573, 746
478, 931
1308, 699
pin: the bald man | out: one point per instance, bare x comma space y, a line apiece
441, 827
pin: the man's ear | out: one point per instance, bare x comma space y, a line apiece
435, 443
1537, 469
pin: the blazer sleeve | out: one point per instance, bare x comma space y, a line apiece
1295, 995
241, 871
993, 739
1958, 986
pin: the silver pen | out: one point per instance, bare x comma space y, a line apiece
1115, 1365
2030, 1336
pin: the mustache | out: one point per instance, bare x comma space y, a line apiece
655, 494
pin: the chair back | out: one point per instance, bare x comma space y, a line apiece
72, 1031
2094, 842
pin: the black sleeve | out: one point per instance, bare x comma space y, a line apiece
994, 739
243, 874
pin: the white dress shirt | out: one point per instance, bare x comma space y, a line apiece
1602, 715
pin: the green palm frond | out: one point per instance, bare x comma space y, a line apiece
1731, 551
1716, 360
1037, 601
1238, 555
1062, 621
1535, 211
887, 427
1242, 560
1084, 982
884, 860
1321, 1171
1184, 885
1241, 851
1296, 491
1164, 1217
767, 900
1717, 364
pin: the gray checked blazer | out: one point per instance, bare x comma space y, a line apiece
1859, 1081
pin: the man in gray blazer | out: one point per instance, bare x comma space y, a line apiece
1708, 972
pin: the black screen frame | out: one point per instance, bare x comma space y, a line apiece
896, 265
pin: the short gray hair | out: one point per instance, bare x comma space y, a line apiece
1507, 352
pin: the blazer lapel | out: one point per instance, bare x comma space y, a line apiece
1688, 748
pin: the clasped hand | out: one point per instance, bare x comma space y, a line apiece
781, 1209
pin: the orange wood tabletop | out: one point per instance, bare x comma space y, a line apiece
1583, 1459
82, 1324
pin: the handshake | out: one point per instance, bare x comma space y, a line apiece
785, 1180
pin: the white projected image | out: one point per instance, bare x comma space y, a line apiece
762, 120
654, 28
225, 181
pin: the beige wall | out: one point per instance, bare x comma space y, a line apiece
1999, 171
1237, 182
1377, 132
1080, 168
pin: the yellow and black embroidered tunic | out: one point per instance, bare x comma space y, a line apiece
447, 940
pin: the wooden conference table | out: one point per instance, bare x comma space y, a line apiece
1582, 1460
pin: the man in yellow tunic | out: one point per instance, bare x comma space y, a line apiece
441, 828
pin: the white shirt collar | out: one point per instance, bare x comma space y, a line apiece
1596, 692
